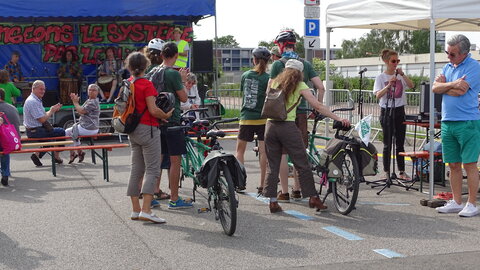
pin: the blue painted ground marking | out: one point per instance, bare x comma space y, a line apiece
380, 203
342, 233
389, 253
259, 198
299, 215
290, 212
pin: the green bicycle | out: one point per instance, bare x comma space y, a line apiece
212, 168
345, 187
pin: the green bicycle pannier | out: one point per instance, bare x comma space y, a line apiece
333, 156
368, 159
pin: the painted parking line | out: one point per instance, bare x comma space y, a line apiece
342, 233
293, 213
258, 198
380, 203
299, 215
389, 253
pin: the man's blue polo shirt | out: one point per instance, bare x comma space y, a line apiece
465, 107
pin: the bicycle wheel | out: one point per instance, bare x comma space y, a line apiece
226, 201
345, 189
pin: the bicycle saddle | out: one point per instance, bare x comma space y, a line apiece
216, 134
200, 123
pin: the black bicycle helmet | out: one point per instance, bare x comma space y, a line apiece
165, 101
286, 36
261, 53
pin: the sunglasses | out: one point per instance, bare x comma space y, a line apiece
395, 61
451, 54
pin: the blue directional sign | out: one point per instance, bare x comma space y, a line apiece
312, 27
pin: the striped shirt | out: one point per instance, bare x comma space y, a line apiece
32, 110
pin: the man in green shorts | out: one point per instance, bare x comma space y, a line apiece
459, 85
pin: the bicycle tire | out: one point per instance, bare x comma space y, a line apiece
345, 189
226, 202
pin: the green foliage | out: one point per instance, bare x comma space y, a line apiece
226, 42
319, 67
231, 113
371, 44
269, 45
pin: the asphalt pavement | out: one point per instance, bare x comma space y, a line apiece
78, 221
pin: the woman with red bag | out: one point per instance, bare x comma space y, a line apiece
12, 115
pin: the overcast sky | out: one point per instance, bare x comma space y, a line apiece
251, 21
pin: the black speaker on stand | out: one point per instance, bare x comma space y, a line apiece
50, 98
202, 56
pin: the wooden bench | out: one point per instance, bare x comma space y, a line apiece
424, 155
42, 144
104, 156
91, 139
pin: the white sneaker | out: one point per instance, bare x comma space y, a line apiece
450, 207
469, 210
134, 215
151, 217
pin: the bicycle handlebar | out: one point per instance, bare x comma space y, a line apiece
194, 110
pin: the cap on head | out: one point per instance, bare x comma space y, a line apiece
295, 64
177, 30
276, 51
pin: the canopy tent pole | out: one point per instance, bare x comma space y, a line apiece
431, 105
215, 67
327, 76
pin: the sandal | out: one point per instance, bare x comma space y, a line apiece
81, 156
404, 176
161, 195
72, 158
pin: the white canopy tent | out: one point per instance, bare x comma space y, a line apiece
436, 15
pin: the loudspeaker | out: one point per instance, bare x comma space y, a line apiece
202, 56
425, 99
50, 98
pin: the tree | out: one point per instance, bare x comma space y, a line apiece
371, 44
226, 42
267, 44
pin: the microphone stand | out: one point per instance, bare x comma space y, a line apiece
389, 119
360, 95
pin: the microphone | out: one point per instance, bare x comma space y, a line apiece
362, 71
396, 72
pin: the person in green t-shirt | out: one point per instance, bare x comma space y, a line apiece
254, 86
284, 136
286, 41
8, 87
173, 142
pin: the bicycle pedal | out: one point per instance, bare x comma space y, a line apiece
204, 210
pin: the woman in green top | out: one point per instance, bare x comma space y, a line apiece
253, 86
281, 135
8, 87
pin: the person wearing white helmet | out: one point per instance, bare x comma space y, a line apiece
153, 53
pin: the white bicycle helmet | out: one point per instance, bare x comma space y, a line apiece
156, 44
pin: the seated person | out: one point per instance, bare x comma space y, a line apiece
35, 119
8, 87
108, 76
194, 100
88, 122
